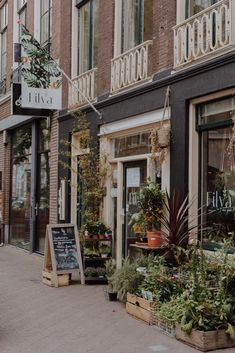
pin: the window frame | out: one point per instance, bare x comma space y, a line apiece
80, 34
3, 32
48, 12
200, 128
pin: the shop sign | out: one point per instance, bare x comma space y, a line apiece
219, 200
17, 108
62, 250
41, 77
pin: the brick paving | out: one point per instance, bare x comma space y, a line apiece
35, 318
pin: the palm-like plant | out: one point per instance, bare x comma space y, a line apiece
176, 226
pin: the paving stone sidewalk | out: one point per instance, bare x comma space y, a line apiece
35, 318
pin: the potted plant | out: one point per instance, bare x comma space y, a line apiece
104, 250
110, 267
207, 319
151, 200
95, 229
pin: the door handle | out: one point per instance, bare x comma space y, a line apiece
36, 208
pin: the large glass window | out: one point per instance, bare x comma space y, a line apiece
45, 25
136, 26
30, 185
3, 31
21, 187
217, 170
87, 35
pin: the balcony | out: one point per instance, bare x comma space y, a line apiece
130, 68
86, 83
210, 32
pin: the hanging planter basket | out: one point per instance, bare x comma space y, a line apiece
164, 136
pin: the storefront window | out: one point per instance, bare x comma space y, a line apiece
217, 168
132, 145
21, 187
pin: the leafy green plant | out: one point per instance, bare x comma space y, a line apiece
110, 267
95, 272
126, 279
207, 309
151, 200
104, 249
170, 310
95, 227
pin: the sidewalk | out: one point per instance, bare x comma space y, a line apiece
35, 318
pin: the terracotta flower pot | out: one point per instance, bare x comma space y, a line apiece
154, 238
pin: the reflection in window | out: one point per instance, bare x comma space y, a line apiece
21, 143
45, 27
136, 23
88, 36
3, 31
21, 187
195, 6
219, 110
132, 145
218, 187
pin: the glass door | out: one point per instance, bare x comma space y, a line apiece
42, 187
135, 175
20, 206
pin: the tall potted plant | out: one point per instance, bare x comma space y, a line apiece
151, 201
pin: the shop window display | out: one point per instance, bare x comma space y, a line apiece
217, 169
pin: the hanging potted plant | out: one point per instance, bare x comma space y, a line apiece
151, 200
161, 135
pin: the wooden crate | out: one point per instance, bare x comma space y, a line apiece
47, 278
205, 341
139, 307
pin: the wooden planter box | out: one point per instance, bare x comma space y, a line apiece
139, 308
205, 341
47, 278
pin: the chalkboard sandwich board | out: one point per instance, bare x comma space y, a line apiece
62, 253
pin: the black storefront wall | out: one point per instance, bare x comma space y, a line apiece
201, 80
212, 80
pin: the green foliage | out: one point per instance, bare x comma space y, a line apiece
41, 71
150, 203
94, 272
126, 279
207, 309
110, 266
91, 173
95, 227
170, 310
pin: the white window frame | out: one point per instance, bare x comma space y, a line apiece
48, 13
3, 31
76, 69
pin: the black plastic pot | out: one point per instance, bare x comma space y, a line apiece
112, 296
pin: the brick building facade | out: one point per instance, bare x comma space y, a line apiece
123, 55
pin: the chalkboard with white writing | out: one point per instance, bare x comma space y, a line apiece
65, 248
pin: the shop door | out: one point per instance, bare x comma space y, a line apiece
42, 185
135, 175
42, 204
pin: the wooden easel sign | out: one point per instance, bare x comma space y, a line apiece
62, 252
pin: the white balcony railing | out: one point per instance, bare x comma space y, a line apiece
209, 31
130, 67
86, 83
